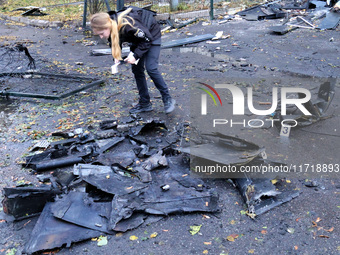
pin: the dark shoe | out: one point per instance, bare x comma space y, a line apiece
169, 105
139, 108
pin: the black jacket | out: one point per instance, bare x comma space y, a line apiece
144, 32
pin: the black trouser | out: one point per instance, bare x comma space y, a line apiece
149, 61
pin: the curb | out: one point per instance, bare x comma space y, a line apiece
56, 24
33, 22
186, 15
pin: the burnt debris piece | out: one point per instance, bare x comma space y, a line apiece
261, 195
222, 149
261, 12
49, 233
23, 202
134, 177
318, 15
258, 190
317, 107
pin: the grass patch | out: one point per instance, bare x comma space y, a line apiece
57, 13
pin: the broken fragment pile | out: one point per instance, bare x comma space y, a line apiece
128, 173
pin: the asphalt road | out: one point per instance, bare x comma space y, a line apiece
288, 59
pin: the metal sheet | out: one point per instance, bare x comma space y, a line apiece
50, 233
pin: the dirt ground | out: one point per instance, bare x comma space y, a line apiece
287, 229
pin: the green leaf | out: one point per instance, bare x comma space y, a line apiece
243, 212
195, 229
11, 251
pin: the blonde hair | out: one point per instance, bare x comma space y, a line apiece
102, 20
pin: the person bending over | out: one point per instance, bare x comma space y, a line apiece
139, 28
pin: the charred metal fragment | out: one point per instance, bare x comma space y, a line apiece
224, 150
108, 124
123, 159
50, 233
56, 163
147, 126
79, 209
34, 12
261, 195
110, 144
110, 182
90, 82
317, 107
133, 222
331, 21
26, 202
153, 200
261, 12
155, 161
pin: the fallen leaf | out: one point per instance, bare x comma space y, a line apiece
288, 181
207, 243
323, 236
264, 232
133, 238
102, 240
119, 234
195, 229
291, 230
206, 216
232, 222
205, 252
318, 219
232, 237
251, 251
274, 181
243, 212
153, 235
330, 230
296, 247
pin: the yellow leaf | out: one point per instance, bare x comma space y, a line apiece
232, 237
133, 238
232, 222
274, 181
119, 234
153, 235
251, 251
205, 252
207, 243
288, 181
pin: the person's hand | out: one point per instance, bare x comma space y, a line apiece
130, 59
